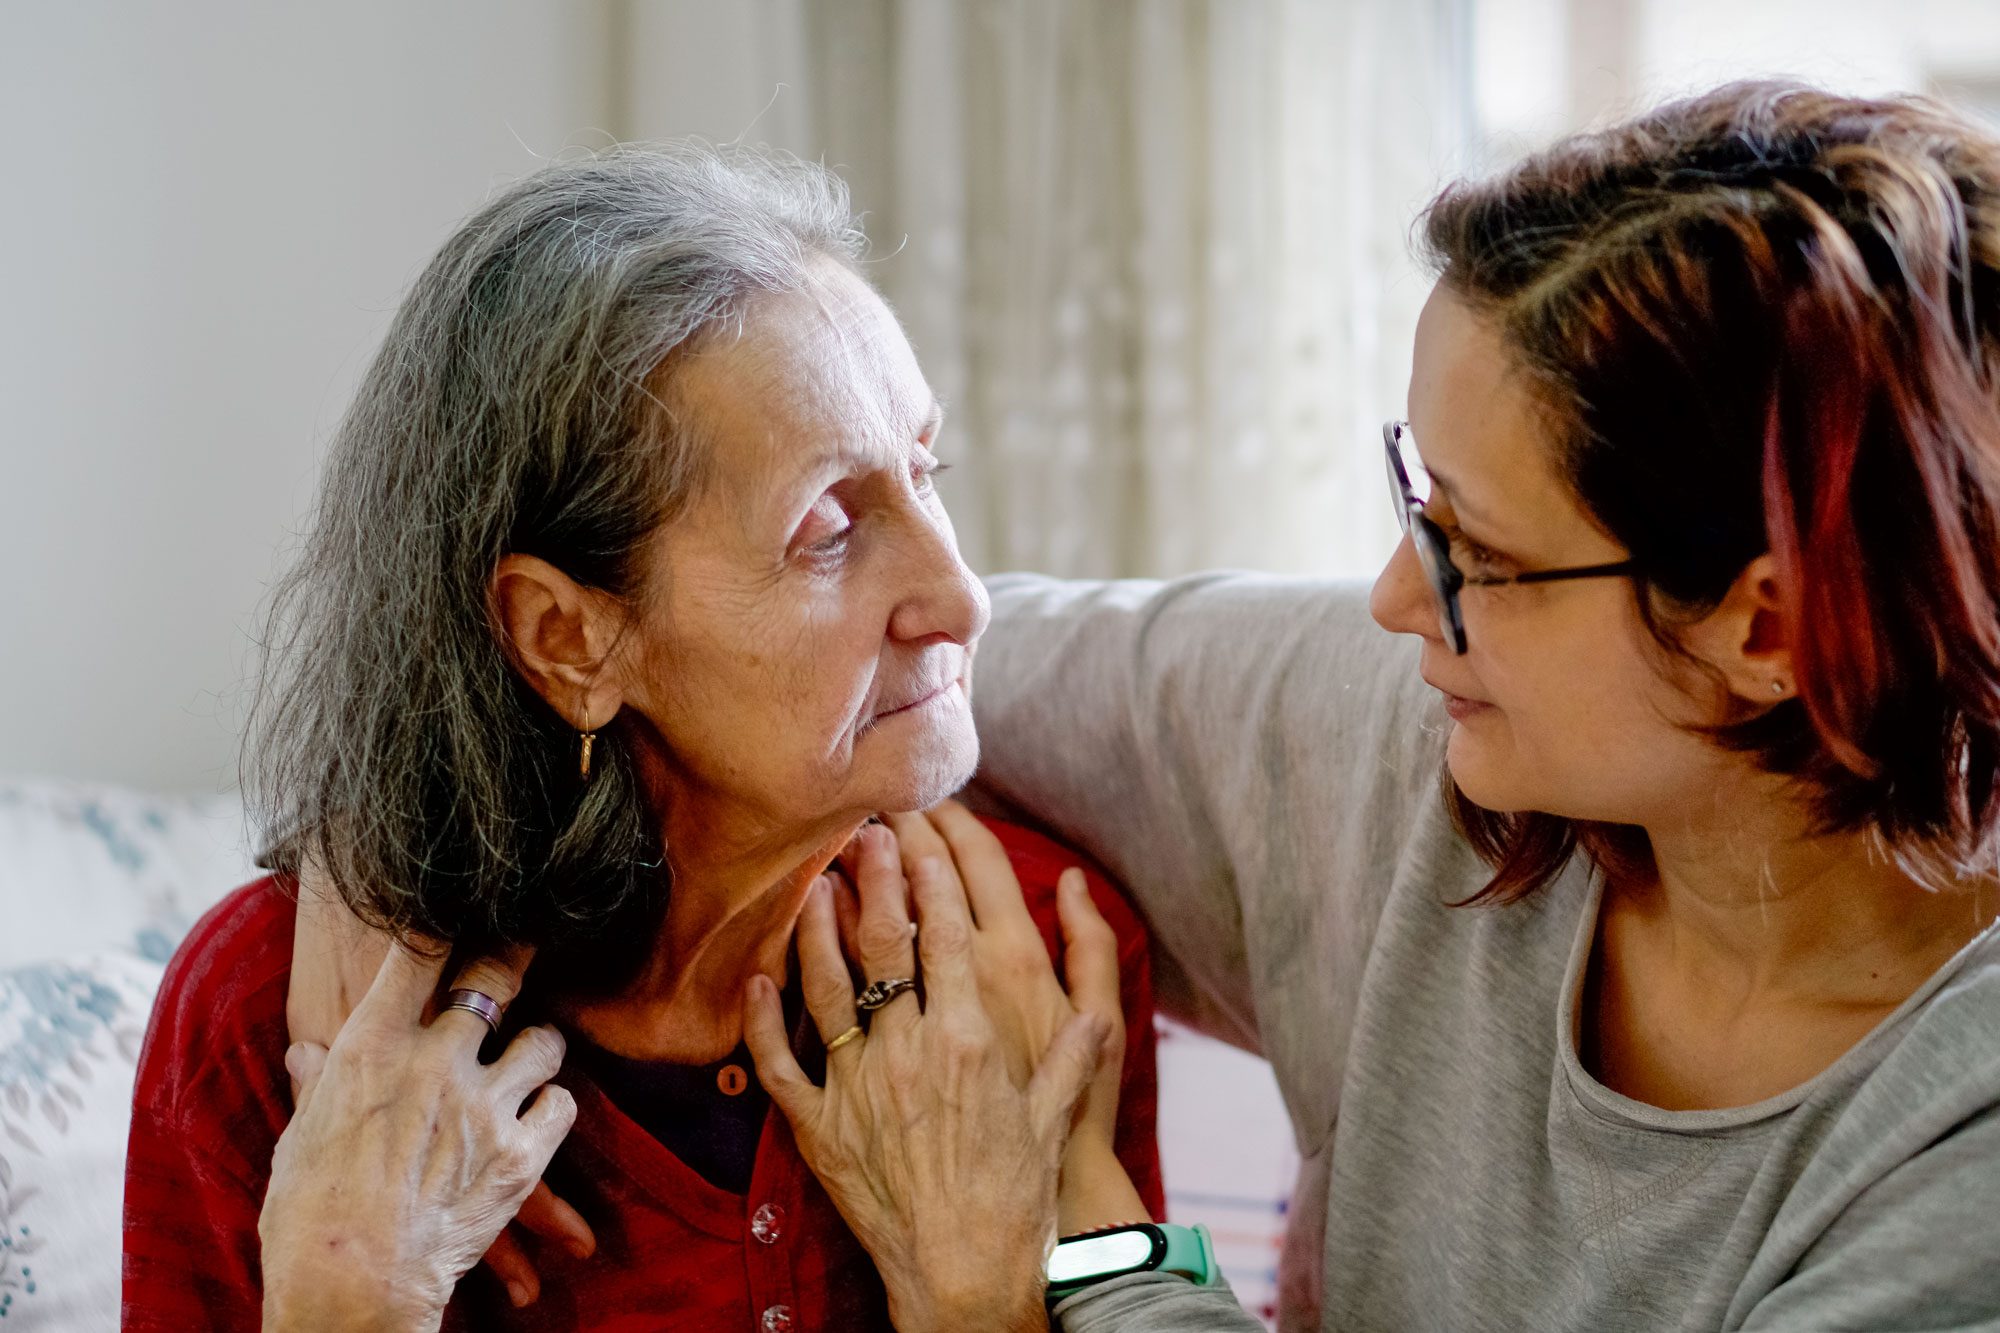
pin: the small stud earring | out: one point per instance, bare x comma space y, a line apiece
1777, 687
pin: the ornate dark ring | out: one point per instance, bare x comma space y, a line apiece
880, 993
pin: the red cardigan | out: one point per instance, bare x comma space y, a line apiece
673, 1250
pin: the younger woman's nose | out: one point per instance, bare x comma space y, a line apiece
1401, 600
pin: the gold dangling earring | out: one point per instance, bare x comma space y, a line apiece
583, 763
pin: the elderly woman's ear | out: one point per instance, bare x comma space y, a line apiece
561, 635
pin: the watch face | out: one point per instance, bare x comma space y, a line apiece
1108, 1255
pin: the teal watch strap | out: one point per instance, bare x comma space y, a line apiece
1190, 1253
1098, 1256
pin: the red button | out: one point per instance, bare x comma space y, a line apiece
732, 1080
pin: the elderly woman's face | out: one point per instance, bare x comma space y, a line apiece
806, 650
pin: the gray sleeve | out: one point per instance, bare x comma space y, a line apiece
1243, 752
1153, 1303
1917, 1251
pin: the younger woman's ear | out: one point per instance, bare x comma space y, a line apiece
560, 635
1747, 638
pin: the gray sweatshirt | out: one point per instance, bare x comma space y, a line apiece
1258, 763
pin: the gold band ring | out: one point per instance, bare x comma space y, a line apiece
852, 1034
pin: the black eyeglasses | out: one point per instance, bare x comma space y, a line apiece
1434, 548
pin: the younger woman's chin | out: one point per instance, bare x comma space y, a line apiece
1485, 781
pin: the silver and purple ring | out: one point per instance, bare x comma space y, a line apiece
475, 1002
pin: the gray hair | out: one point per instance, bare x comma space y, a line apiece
521, 402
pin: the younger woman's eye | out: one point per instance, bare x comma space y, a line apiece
1483, 557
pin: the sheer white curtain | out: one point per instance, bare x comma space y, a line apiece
1153, 253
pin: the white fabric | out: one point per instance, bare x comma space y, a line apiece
97, 886
69, 1039
89, 866
1152, 253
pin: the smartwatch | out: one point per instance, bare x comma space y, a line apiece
1098, 1256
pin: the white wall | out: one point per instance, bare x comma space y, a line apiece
207, 213
209, 209
1545, 67
723, 71
1863, 46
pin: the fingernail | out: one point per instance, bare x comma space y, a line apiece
518, 1293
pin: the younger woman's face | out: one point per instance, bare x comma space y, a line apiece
1563, 702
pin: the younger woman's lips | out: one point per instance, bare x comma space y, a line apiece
1459, 709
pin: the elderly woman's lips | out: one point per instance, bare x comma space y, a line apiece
918, 702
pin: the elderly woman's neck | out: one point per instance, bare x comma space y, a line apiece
736, 898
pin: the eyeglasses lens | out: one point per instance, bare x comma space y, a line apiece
1410, 486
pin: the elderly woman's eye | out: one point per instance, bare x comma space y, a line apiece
924, 472
826, 529
832, 544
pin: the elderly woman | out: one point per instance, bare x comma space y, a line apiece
629, 600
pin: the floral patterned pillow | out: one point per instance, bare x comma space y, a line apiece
91, 866
97, 886
70, 1032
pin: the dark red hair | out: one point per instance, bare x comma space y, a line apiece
1767, 319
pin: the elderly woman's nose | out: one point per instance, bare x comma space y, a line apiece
941, 595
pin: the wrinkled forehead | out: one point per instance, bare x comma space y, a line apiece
823, 367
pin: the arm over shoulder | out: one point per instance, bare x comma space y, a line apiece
1244, 753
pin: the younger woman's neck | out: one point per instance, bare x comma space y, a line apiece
1763, 902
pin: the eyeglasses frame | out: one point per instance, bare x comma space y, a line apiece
1433, 549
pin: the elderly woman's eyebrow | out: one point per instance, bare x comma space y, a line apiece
853, 455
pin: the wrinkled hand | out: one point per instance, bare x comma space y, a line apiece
1026, 1003
941, 1163
335, 958
405, 1158
1029, 1006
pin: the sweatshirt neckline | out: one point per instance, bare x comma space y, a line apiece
1865, 1054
